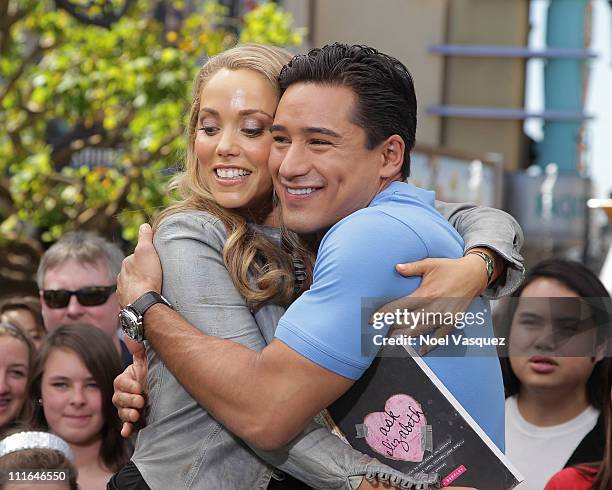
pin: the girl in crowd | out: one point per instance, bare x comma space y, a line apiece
16, 358
70, 395
556, 375
243, 272
25, 312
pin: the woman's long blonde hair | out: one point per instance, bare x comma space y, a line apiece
246, 253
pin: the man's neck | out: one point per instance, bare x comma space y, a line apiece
384, 183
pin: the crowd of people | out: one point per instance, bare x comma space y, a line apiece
294, 208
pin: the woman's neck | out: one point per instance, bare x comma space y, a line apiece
545, 408
87, 454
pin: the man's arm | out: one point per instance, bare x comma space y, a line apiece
316, 457
496, 233
267, 398
245, 390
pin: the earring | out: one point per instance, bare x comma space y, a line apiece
40, 401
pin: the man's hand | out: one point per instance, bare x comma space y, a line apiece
130, 396
448, 285
141, 272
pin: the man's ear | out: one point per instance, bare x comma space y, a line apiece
392, 152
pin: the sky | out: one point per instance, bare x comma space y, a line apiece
599, 92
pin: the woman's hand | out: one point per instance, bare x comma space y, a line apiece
130, 386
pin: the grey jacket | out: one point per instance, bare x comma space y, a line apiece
182, 446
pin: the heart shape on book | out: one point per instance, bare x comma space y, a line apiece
397, 433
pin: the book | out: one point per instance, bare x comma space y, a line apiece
402, 414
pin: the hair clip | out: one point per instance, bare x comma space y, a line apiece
15, 331
34, 440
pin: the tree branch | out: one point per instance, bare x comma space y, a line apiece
19, 258
7, 21
90, 217
61, 155
115, 206
6, 199
106, 20
29, 59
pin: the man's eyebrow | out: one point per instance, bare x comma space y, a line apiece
308, 130
244, 112
326, 131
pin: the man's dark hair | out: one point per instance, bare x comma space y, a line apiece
384, 88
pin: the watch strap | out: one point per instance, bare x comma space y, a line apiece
142, 304
488, 262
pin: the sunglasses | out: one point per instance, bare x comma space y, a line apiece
92, 296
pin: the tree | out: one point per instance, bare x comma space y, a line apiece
93, 98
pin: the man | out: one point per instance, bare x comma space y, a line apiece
342, 131
77, 279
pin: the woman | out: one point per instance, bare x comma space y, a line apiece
556, 375
70, 395
16, 358
227, 223
25, 312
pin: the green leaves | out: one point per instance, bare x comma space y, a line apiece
268, 24
92, 117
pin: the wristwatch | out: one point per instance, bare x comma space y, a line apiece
130, 317
488, 262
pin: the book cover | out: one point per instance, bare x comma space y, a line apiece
400, 413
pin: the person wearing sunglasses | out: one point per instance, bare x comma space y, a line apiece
77, 282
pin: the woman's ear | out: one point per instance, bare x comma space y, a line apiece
392, 152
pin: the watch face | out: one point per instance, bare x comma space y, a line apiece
130, 324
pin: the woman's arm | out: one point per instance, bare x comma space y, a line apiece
198, 285
492, 229
322, 460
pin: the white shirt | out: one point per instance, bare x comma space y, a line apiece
539, 452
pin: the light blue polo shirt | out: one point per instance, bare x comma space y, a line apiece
356, 265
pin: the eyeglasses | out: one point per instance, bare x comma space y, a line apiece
92, 296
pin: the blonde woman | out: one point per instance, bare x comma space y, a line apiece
230, 271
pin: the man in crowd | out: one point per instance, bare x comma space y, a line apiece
77, 279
